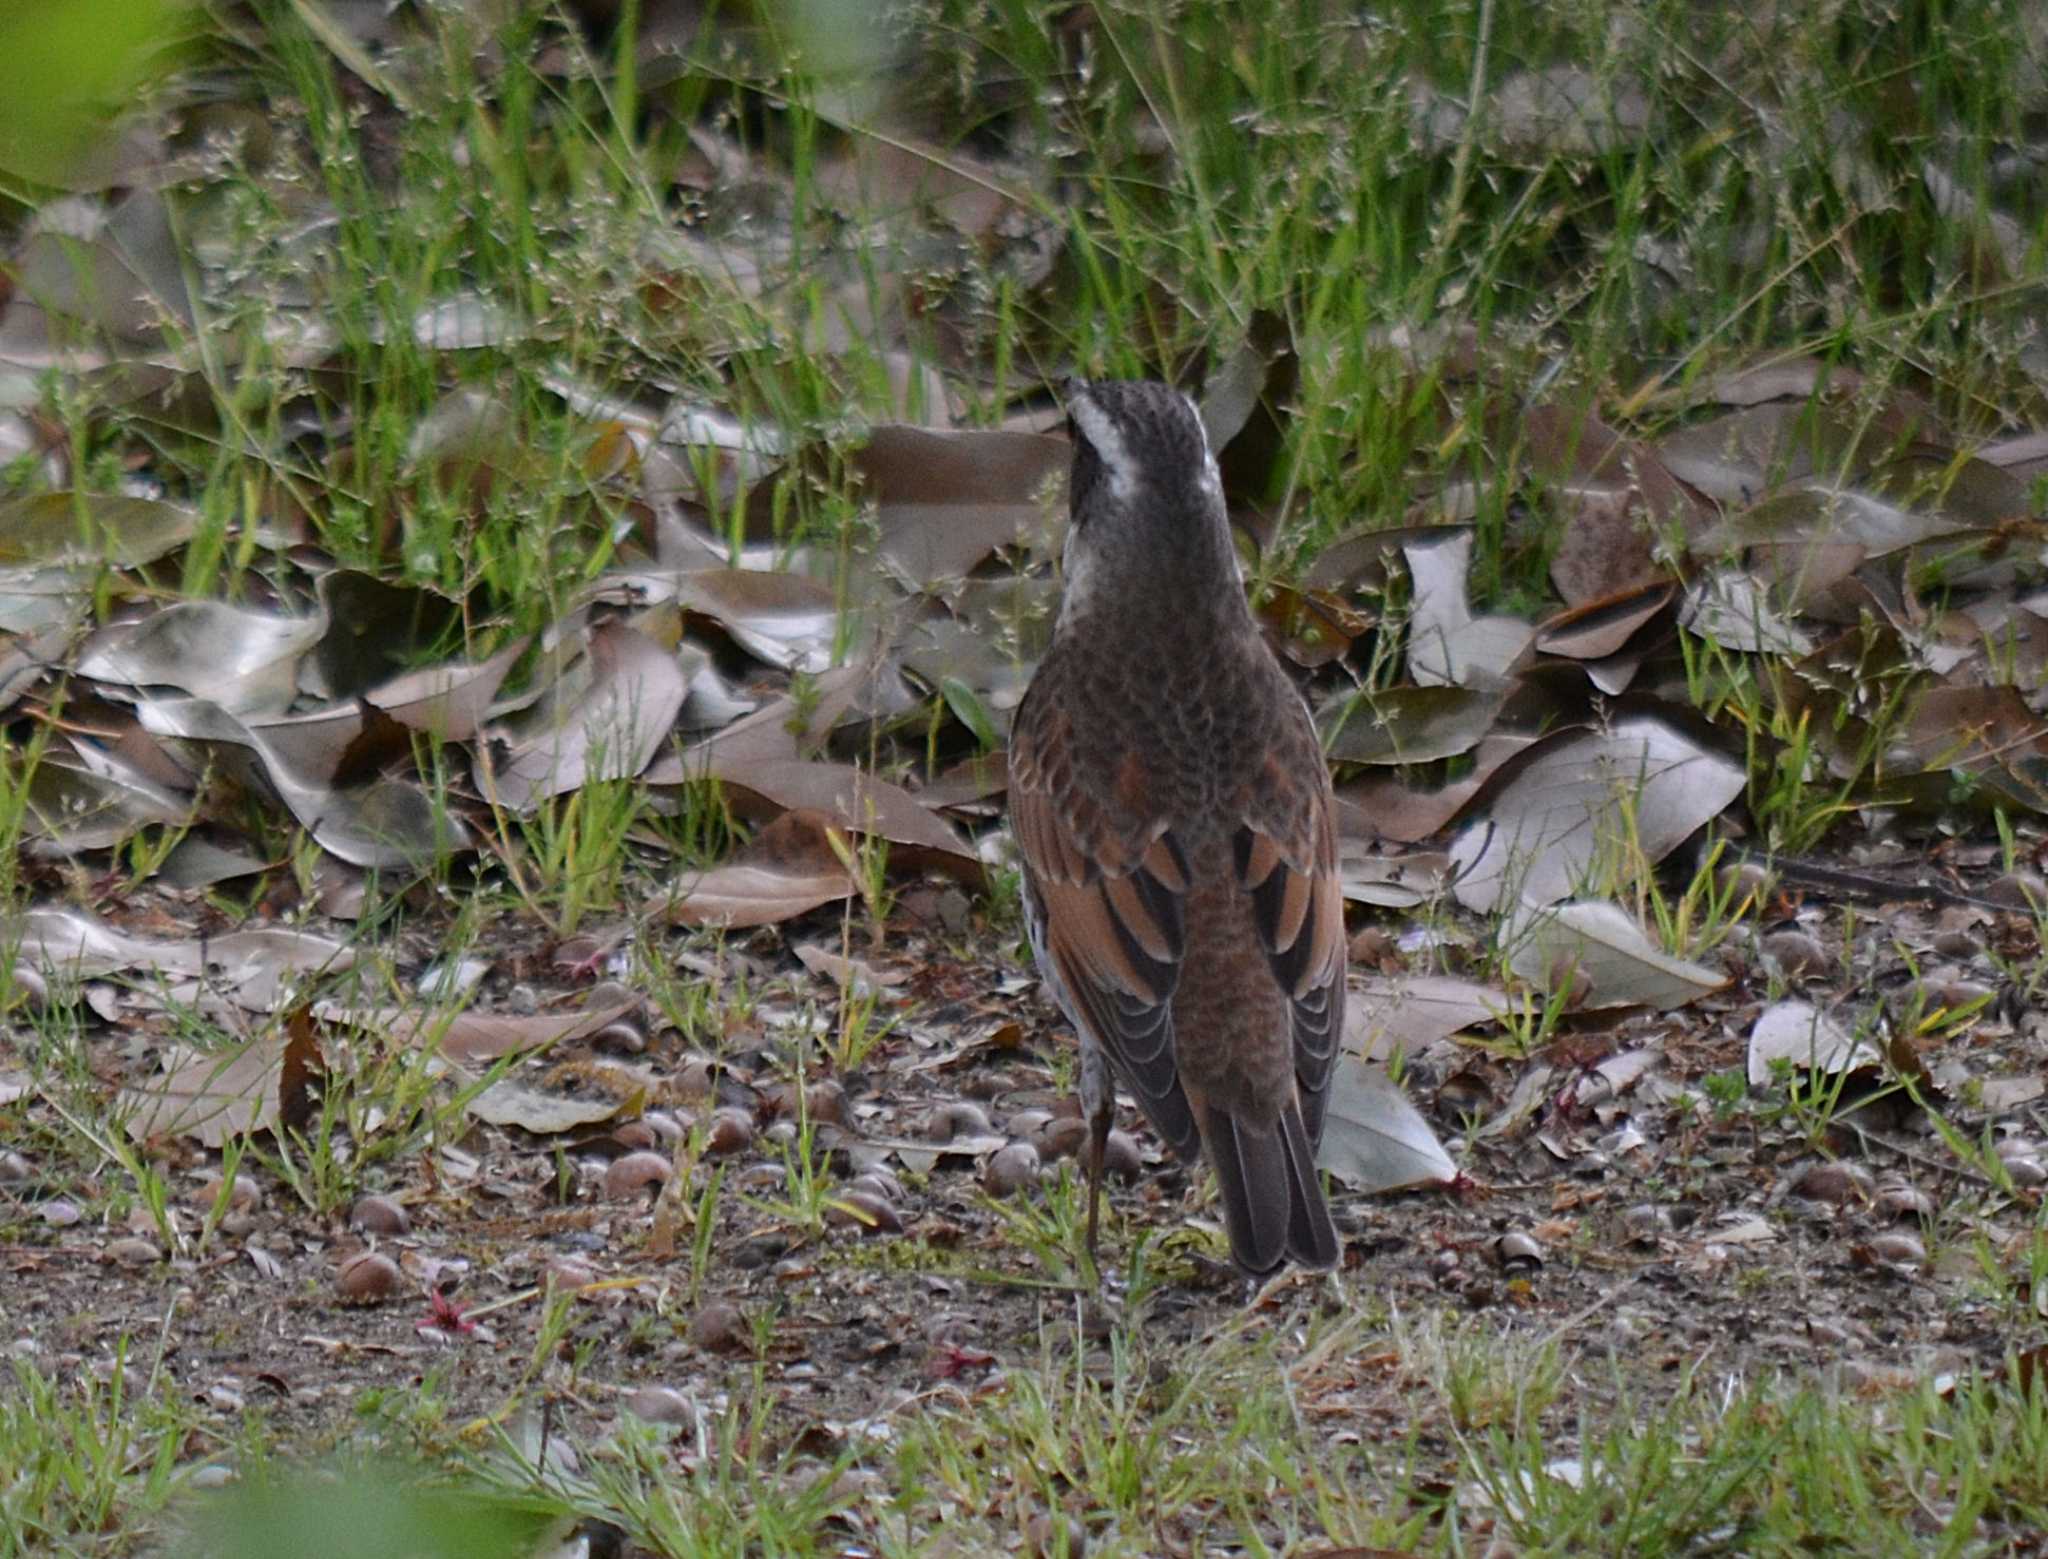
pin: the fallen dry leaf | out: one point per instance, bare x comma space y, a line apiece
945, 500
472, 1035
84, 797
1446, 643
784, 620
542, 1111
1373, 1138
857, 978
214, 1095
259, 968
855, 801
382, 821
1410, 1013
244, 661
789, 869
376, 630
1809, 1040
1597, 943
1407, 724
83, 527
1370, 873
1733, 609
605, 719
1558, 808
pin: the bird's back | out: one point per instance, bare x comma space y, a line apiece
1174, 735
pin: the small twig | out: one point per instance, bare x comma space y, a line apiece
1868, 885
1961, 1171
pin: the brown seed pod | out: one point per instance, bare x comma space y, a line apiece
1010, 1170
368, 1278
375, 1214
633, 1174
864, 1210
731, 1131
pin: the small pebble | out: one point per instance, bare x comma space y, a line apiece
821, 1100
720, 1327
1010, 1170
959, 1118
1896, 1199
1463, 1093
758, 1250
1955, 995
1958, 944
658, 1405
826, 1100
865, 1211
1834, 1182
375, 1214
1795, 954
878, 1182
624, 1035
2026, 1172
1061, 1137
368, 1277
570, 1274
1121, 1159
15, 1168
1026, 1124
767, 1175
1745, 882
632, 1174
2022, 891
1897, 1248
636, 1136
134, 1251
243, 1198
696, 1077
1646, 1223
732, 1131
1376, 948
668, 1128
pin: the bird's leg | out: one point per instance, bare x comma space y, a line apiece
1098, 1104
1098, 1154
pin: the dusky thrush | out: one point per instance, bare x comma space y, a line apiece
1173, 812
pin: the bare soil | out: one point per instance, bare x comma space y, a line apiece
1605, 1204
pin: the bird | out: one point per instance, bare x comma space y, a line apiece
1174, 822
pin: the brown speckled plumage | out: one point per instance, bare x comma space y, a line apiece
1173, 812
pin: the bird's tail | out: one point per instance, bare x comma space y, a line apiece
1273, 1207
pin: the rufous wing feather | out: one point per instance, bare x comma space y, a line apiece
1111, 900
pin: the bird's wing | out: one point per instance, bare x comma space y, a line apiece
1106, 895
1286, 850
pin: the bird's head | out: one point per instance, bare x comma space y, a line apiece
1145, 496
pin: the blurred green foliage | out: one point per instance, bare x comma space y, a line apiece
356, 1509
67, 68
